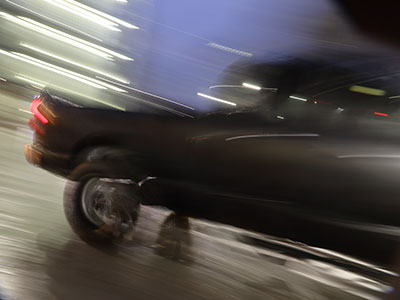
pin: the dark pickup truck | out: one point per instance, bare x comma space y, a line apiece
318, 163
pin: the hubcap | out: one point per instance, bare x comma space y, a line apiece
109, 204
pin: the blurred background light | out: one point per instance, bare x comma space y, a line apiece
216, 99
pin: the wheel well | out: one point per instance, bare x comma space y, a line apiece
120, 157
94, 142
100, 144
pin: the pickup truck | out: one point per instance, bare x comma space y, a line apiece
317, 163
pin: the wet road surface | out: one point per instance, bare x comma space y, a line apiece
41, 258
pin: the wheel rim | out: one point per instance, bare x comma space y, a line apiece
108, 204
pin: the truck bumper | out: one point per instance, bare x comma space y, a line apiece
54, 162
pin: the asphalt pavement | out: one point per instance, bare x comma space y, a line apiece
42, 259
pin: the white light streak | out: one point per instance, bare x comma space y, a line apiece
104, 15
216, 99
229, 49
53, 20
241, 86
251, 86
58, 70
84, 14
280, 117
2, 79
147, 93
269, 135
56, 34
64, 37
225, 86
77, 41
91, 98
52, 68
298, 98
23, 77
98, 83
73, 62
356, 261
36, 83
25, 111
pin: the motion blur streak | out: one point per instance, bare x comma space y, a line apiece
381, 114
297, 98
73, 63
149, 94
244, 85
33, 82
25, 111
176, 112
369, 156
230, 50
272, 135
107, 16
367, 90
85, 14
86, 78
356, 261
52, 68
251, 86
70, 37
41, 85
216, 99
56, 34
54, 21
225, 86
206, 149
64, 37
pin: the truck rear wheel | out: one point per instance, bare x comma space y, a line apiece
101, 202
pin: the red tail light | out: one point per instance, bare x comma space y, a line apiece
35, 110
34, 126
381, 114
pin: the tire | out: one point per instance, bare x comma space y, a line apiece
78, 214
